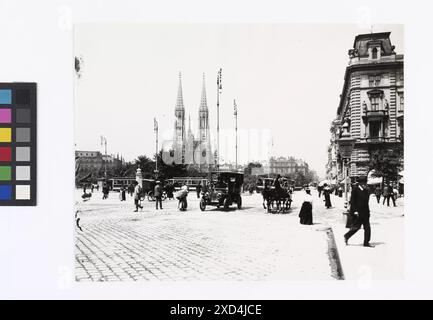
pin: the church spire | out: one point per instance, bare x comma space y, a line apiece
179, 101
203, 101
189, 125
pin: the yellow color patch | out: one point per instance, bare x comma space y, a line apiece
5, 135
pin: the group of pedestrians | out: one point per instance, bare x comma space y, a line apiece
389, 193
359, 213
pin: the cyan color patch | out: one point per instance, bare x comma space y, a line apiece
5, 96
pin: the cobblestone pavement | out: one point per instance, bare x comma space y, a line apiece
249, 244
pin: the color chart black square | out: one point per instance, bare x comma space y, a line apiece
18, 137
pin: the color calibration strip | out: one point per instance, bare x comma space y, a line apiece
18, 144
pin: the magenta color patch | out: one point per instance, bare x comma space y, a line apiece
5, 116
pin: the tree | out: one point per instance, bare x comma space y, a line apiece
248, 169
386, 163
167, 171
146, 165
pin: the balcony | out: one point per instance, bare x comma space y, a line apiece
374, 115
374, 140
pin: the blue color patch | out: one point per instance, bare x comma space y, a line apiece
5, 96
5, 193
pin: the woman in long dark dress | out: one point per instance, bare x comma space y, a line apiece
327, 194
306, 213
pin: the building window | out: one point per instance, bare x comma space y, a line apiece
401, 103
374, 81
374, 53
374, 129
374, 103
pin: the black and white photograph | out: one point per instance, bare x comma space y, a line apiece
216, 159
221, 152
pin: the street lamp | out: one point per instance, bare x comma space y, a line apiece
345, 146
219, 88
104, 143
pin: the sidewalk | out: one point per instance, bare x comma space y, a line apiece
383, 262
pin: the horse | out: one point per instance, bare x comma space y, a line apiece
279, 198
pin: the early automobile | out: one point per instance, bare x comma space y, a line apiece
222, 189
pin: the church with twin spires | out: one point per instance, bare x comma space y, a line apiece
192, 149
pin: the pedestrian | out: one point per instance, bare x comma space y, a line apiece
340, 192
320, 189
359, 204
378, 193
105, 191
157, 193
123, 194
182, 196
169, 188
306, 213
327, 194
84, 188
198, 189
92, 187
385, 194
137, 196
131, 189
389, 195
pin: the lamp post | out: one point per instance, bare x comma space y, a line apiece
219, 88
104, 144
345, 146
155, 123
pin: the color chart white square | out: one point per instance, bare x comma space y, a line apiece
22, 193
23, 173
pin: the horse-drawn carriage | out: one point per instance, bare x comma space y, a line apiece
148, 188
222, 190
276, 196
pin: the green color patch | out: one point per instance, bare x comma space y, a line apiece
5, 173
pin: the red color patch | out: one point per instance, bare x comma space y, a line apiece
5, 154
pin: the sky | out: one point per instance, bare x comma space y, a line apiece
286, 79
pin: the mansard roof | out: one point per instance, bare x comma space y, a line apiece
363, 41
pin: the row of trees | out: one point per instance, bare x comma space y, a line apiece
147, 165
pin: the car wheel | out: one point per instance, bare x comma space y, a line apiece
239, 202
226, 204
202, 205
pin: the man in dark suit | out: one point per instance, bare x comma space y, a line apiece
359, 203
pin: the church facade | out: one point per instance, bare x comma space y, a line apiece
188, 148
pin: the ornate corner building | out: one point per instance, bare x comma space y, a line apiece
371, 103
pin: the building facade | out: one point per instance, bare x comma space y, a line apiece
371, 103
286, 166
95, 160
189, 148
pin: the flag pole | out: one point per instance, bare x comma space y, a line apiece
236, 131
155, 123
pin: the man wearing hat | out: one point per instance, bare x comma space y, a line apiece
359, 204
158, 195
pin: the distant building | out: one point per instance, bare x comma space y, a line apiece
95, 160
286, 166
371, 103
